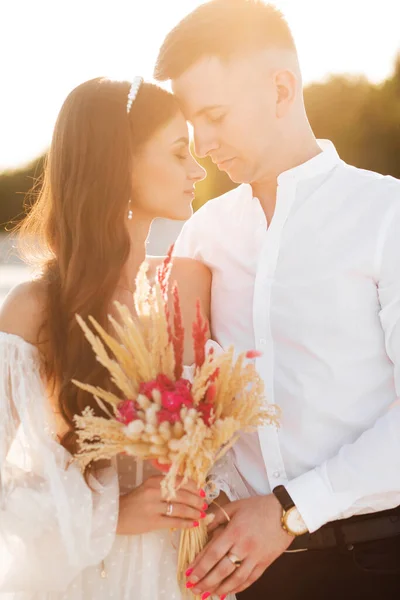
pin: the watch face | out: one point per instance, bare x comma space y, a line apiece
294, 522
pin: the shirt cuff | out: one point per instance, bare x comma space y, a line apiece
314, 500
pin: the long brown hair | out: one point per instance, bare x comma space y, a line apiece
76, 229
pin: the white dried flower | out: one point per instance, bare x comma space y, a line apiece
188, 424
156, 394
174, 445
157, 440
134, 428
178, 430
150, 428
164, 430
143, 401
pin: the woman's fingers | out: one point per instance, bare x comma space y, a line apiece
193, 500
173, 523
181, 511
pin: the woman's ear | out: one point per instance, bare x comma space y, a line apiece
286, 89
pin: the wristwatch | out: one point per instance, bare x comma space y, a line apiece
291, 519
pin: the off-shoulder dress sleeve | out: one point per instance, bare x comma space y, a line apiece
52, 523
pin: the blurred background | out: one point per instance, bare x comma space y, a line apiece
349, 51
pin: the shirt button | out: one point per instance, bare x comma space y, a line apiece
263, 341
276, 474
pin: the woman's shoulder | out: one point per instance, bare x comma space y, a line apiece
23, 311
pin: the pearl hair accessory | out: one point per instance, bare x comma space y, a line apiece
136, 83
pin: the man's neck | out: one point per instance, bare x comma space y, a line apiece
265, 188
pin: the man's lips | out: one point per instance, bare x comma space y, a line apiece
222, 163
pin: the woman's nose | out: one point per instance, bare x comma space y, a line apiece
197, 172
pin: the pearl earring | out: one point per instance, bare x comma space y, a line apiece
130, 213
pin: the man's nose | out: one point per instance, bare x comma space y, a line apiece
204, 143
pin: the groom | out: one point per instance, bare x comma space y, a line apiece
305, 256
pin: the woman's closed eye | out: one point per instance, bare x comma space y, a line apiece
216, 118
181, 155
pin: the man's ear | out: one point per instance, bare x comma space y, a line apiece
286, 86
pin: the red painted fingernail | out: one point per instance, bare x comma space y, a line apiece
205, 595
205, 506
189, 572
196, 523
190, 585
222, 597
203, 515
202, 493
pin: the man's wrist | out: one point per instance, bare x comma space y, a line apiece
291, 519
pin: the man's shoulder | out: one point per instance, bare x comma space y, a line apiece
371, 179
370, 189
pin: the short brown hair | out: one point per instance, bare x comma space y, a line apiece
222, 28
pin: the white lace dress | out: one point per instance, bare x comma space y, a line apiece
57, 536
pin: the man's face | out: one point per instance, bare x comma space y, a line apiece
232, 107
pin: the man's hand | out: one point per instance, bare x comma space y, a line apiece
254, 534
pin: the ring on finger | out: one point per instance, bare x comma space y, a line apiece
235, 560
169, 509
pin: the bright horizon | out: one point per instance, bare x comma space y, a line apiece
53, 45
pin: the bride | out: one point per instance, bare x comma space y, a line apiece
119, 158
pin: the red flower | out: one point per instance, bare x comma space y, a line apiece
178, 336
200, 332
127, 412
253, 354
161, 383
205, 411
166, 415
210, 394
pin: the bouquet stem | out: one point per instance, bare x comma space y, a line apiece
192, 541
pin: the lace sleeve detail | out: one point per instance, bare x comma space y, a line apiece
52, 524
224, 477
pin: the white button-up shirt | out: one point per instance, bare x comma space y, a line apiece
318, 291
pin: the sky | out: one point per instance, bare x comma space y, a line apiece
47, 47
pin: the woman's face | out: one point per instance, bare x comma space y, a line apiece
165, 172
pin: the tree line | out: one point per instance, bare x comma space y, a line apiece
362, 119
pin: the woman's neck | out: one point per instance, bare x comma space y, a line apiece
138, 231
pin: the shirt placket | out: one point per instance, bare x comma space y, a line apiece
266, 268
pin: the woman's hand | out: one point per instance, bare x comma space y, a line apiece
144, 509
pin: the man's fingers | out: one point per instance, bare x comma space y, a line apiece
210, 556
254, 575
215, 577
237, 579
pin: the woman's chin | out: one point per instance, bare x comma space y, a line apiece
182, 215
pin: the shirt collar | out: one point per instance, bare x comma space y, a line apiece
323, 162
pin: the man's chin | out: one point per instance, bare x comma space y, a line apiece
236, 175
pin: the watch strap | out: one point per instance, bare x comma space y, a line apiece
283, 497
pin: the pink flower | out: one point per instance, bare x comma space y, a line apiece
127, 412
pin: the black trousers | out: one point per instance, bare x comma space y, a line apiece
369, 571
